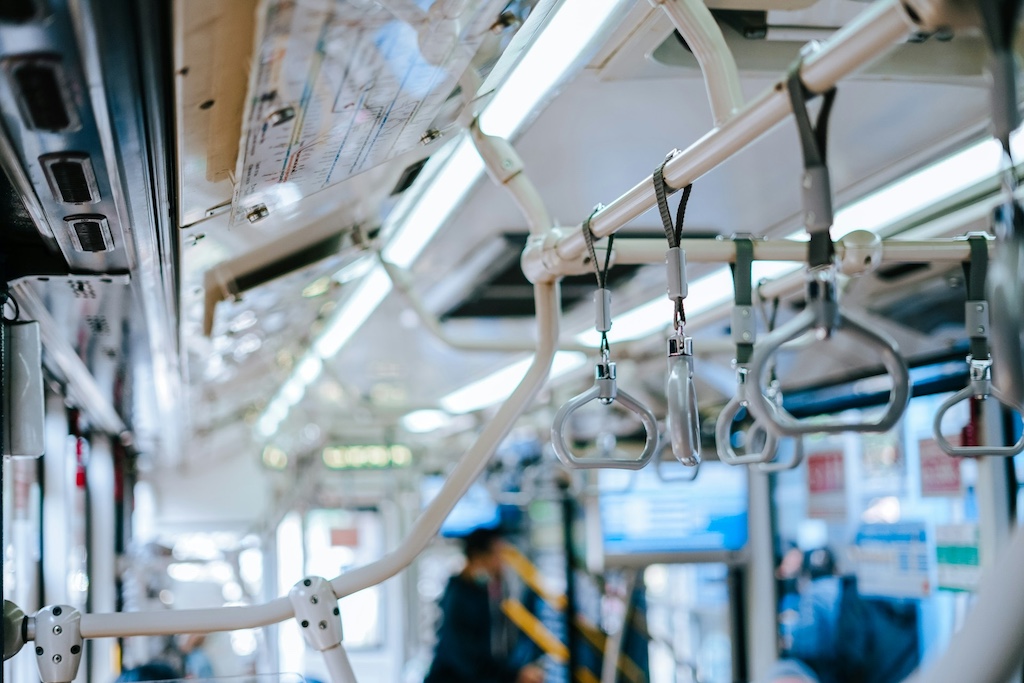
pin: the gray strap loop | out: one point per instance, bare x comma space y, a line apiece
743, 319
976, 316
817, 190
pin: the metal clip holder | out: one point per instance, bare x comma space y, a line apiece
822, 313
605, 388
682, 423
744, 331
976, 311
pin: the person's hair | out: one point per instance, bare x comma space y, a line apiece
480, 542
819, 562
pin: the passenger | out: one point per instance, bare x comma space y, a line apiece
470, 648
810, 633
790, 671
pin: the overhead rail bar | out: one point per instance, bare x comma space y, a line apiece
856, 252
863, 40
703, 36
605, 389
823, 314
977, 316
744, 333
683, 421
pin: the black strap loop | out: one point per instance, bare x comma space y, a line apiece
588, 237
742, 279
673, 233
817, 190
976, 273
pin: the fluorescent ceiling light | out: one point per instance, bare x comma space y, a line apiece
923, 188
353, 313
499, 385
554, 52
419, 220
424, 421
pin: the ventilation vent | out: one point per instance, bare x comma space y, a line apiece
98, 324
82, 289
71, 178
409, 176
90, 233
42, 93
19, 11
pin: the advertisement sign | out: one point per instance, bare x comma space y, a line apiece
826, 486
940, 473
956, 547
895, 560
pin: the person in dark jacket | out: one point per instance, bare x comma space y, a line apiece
470, 646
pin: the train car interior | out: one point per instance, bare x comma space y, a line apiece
597, 341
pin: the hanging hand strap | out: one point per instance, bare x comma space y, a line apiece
743, 323
977, 311
817, 188
976, 315
675, 258
603, 295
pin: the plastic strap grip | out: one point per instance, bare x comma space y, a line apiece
683, 420
675, 262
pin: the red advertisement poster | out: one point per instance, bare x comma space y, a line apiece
940, 474
826, 486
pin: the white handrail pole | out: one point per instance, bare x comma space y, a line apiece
702, 34
473, 462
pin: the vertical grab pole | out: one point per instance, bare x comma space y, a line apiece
568, 516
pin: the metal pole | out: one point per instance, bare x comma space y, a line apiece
102, 555
759, 586
568, 515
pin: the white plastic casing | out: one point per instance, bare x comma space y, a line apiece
58, 643
316, 610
